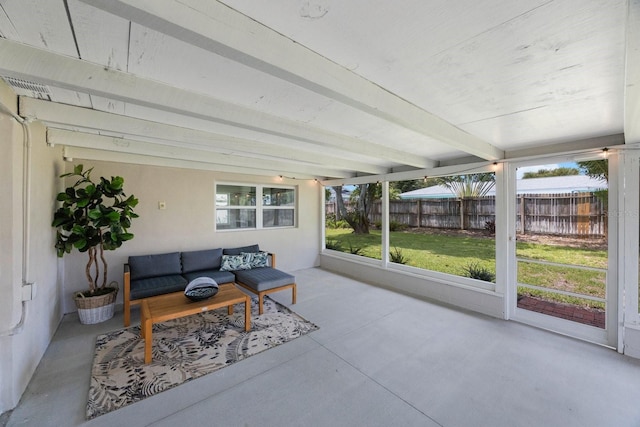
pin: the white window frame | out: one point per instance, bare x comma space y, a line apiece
259, 207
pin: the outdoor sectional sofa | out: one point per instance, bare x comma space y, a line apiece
150, 275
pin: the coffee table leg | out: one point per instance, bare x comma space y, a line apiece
247, 314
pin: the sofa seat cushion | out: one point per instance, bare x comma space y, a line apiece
152, 286
215, 274
265, 278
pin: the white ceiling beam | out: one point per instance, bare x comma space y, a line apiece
632, 75
60, 115
22, 61
75, 153
477, 167
130, 146
217, 28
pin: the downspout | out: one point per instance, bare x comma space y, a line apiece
26, 224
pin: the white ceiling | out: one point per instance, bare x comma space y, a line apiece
324, 88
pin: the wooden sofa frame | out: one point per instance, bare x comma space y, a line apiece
261, 294
128, 302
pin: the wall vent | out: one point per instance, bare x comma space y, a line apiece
34, 89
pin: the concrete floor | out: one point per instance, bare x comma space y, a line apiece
379, 359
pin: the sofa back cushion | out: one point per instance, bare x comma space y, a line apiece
239, 250
208, 259
144, 266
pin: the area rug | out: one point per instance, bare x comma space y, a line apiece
183, 349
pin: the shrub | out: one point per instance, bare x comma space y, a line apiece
330, 220
342, 224
397, 256
333, 244
396, 226
490, 226
355, 250
475, 271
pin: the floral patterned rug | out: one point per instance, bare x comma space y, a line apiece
183, 349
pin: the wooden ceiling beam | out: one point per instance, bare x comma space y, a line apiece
217, 28
75, 153
67, 116
142, 148
44, 67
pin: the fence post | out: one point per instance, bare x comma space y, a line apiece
522, 220
419, 213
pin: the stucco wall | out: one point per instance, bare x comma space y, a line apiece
187, 223
26, 328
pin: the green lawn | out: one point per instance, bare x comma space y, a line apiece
452, 254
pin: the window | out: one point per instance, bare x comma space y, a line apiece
278, 207
444, 224
245, 207
352, 219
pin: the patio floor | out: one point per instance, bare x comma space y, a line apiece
379, 358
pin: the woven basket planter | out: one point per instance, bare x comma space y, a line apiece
96, 309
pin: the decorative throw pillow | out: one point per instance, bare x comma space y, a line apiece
257, 259
234, 262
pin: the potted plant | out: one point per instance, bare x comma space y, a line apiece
94, 217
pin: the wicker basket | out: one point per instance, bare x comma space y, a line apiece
96, 309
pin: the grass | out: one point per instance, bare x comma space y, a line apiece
446, 254
453, 254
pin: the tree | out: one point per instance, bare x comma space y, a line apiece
94, 217
414, 184
361, 200
473, 185
598, 169
543, 173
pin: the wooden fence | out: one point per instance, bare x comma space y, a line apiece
571, 214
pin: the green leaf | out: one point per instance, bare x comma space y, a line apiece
95, 214
63, 197
83, 203
81, 244
117, 182
113, 216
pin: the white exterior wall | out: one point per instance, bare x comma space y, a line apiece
188, 221
25, 329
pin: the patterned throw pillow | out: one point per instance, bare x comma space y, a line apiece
257, 259
234, 262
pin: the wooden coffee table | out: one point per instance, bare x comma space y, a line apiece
176, 305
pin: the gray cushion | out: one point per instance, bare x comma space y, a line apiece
239, 250
217, 275
144, 266
262, 279
145, 288
201, 260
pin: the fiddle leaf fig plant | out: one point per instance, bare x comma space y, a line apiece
94, 217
